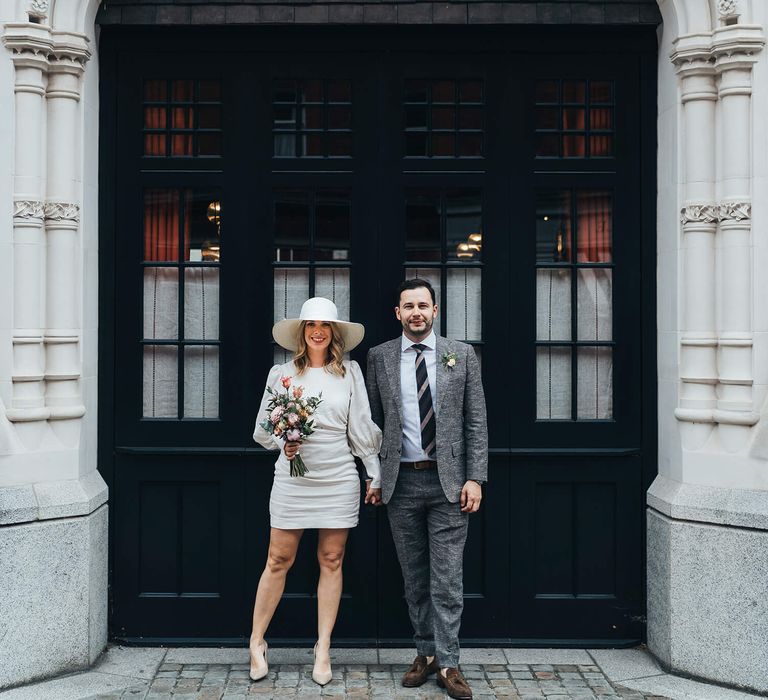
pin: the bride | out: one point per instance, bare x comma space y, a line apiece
327, 497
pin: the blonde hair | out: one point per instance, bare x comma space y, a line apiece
334, 359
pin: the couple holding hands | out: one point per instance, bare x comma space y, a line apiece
418, 424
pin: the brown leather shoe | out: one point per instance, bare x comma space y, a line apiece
419, 671
455, 684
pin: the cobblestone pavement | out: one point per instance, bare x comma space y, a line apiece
511, 682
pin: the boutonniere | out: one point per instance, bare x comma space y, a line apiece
449, 359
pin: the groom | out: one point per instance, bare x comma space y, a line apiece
426, 395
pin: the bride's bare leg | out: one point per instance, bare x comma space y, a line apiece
282, 553
330, 555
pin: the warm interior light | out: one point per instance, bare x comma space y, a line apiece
463, 250
211, 248
214, 213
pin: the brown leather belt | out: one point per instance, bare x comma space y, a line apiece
423, 464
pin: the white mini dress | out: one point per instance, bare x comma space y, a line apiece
328, 496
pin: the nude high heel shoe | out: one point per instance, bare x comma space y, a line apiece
260, 668
321, 677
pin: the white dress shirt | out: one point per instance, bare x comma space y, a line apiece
412, 450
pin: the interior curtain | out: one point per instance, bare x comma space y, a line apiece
155, 117
601, 145
594, 223
594, 317
162, 223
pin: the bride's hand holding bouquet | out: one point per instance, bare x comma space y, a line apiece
290, 419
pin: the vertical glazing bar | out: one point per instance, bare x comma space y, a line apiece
574, 302
312, 223
182, 347
443, 259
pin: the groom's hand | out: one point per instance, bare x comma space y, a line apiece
372, 496
471, 495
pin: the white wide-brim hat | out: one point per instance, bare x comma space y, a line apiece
286, 332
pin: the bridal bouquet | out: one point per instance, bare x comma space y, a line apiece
290, 418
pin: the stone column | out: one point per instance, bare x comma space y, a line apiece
62, 210
734, 60
53, 510
30, 45
698, 359
707, 517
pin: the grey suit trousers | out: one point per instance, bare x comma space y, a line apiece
429, 534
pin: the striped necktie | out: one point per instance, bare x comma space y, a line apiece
426, 409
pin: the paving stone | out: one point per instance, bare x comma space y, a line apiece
162, 685
473, 674
219, 680
209, 694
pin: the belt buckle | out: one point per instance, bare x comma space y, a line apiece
423, 464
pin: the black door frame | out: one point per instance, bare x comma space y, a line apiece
512, 463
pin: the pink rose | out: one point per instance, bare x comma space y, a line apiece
293, 419
276, 415
286, 382
293, 435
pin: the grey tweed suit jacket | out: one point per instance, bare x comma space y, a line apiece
462, 433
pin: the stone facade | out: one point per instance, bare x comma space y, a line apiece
706, 511
707, 592
53, 549
53, 512
591, 12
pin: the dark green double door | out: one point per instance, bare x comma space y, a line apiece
237, 183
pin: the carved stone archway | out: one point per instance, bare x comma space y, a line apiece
712, 469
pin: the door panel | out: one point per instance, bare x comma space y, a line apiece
179, 572
245, 180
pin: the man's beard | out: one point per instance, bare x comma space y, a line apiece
422, 333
